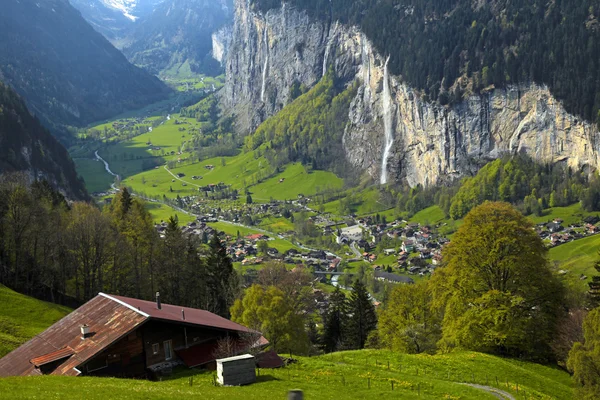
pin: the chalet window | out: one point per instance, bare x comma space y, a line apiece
155, 348
97, 364
168, 350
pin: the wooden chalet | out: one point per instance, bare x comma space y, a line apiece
123, 337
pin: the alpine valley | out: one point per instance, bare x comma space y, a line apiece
401, 195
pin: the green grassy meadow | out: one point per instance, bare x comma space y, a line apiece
347, 375
22, 317
95, 176
161, 212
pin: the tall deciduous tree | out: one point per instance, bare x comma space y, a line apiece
496, 289
407, 323
363, 318
268, 311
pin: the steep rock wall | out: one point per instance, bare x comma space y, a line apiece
432, 144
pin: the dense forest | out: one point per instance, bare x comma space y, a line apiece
64, 252
27, 146
450, 48
67, 72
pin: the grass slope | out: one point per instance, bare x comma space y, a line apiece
22, 317
161, 212
348, 375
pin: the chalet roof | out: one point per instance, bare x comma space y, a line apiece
173, 313
109, 319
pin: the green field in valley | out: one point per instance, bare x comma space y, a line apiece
161, 212
348, 375
232, 230
22, 317
95, 176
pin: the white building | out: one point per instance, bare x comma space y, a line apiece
352, 233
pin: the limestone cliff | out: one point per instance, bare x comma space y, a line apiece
431, 143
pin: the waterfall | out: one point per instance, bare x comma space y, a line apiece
265, 67
330, 37
387, 123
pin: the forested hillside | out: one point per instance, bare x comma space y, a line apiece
449, 48
28, 147
310, 129
66, 71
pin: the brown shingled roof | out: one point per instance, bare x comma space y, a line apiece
108, 321
109, 318
193, 316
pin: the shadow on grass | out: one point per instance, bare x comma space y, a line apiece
266, 378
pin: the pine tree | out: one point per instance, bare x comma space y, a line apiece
222, 280
363, 317
335, 322
126, 201
248, 199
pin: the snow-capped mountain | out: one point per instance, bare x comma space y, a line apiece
115, 18
126, 7
132, 9
161, 35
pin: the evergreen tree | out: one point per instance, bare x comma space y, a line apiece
222, 280
336, 321
363, 318
248, 199
126, 201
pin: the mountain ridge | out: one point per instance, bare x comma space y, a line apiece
26, 146
67, 72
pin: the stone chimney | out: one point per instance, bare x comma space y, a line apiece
158, 305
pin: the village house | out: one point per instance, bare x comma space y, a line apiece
352, 233
408, 246
124, 337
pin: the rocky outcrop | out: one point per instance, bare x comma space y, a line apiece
431, 143
221, 41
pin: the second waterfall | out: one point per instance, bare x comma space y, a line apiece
387, 123
265, 67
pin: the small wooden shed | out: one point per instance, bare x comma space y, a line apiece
236, 371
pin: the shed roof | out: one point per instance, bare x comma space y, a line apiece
53, 356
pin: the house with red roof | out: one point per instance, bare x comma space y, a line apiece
124, 337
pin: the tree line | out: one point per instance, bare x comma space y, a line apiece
283, 306
530, 186
69, 252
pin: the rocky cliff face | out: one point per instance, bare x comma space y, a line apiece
431, 143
